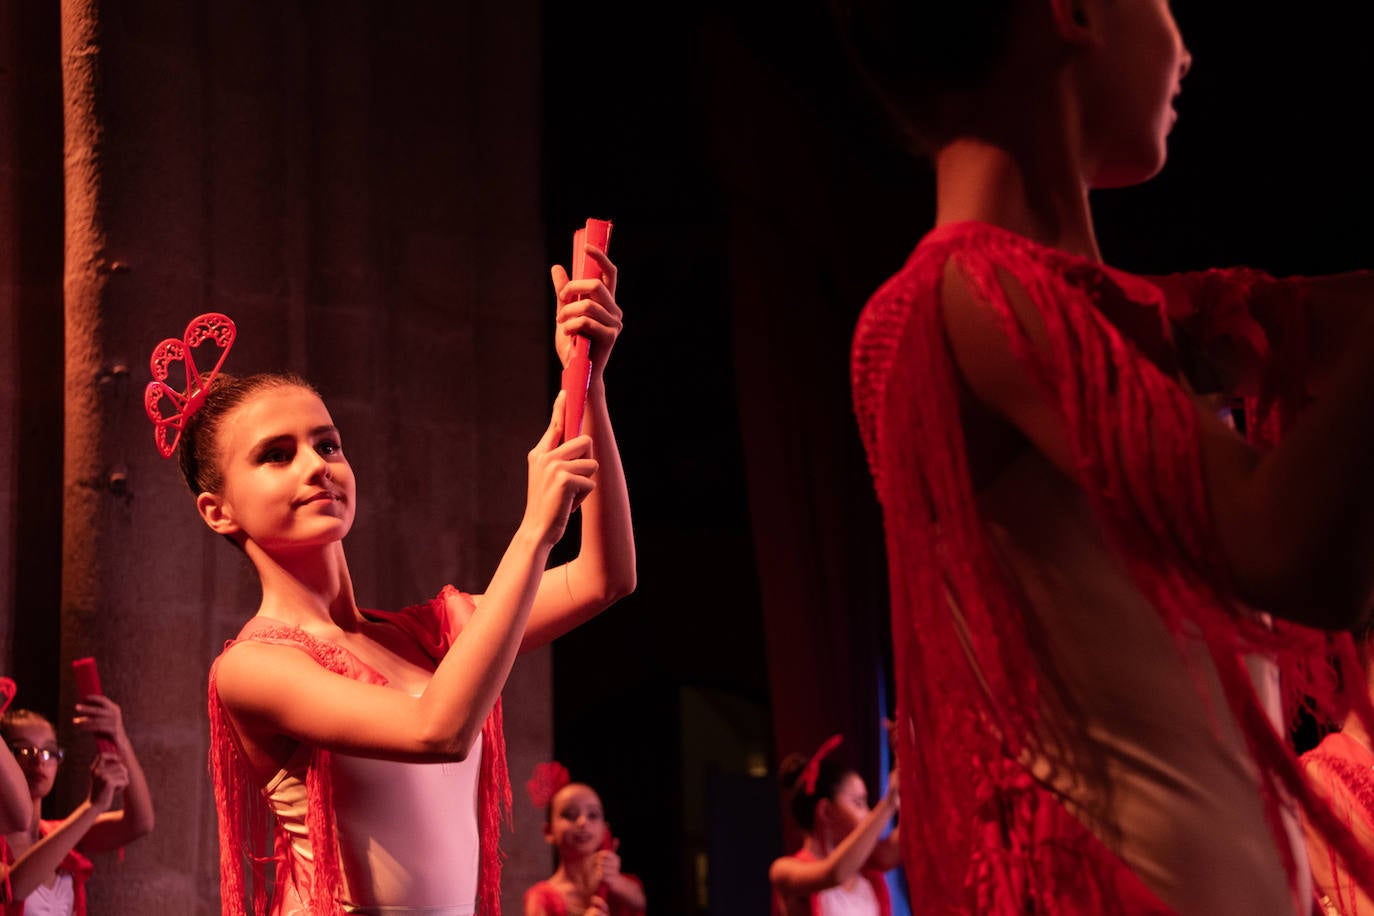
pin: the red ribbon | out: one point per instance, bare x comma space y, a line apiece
813, 766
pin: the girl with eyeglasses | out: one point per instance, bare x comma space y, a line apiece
45, 864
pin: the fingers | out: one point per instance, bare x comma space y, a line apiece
576, 451
97, 707
559, 276
555, 430
560, 477
597, 321
574, 448
587, 294
110, 769
99, 719
608, 268
598, 905
108, 775
609, 275
579, 486
600, 289
608, 866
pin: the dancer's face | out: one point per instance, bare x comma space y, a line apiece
40, 774
287, 484
848, 806
577, 822
1136, 71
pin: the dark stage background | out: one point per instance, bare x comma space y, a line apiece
756, 203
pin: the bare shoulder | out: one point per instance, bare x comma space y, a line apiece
981, 343
250, 671
782, 868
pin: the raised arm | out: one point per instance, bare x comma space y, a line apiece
38, 863
16, 808
793, 877
1293, 524
279, 690
887, 855
604, 569
100, 715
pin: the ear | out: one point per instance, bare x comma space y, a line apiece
215, 513
824, 809
548, 833
1074, 20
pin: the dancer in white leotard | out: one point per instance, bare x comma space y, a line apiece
374, 737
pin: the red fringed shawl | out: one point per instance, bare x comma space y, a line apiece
244, 816
978, 834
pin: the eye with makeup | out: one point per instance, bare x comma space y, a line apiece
274, 453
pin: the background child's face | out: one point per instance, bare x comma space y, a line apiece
577, 823
40, 774
849, 805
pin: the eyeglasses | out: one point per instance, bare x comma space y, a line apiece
41, 754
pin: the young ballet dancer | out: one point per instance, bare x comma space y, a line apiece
841, 865
373, 738
46, 863
1102, 594
587, 878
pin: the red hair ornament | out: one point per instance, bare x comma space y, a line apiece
548, 780
212, 327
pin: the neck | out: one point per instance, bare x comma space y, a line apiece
579, 871
1018, 157
977, 179
306, 587
819, 844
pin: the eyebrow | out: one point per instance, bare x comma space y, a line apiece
315, 433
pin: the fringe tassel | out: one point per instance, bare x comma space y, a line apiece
494, 807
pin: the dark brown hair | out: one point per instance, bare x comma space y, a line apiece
832, 771
198, 451
910, 54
